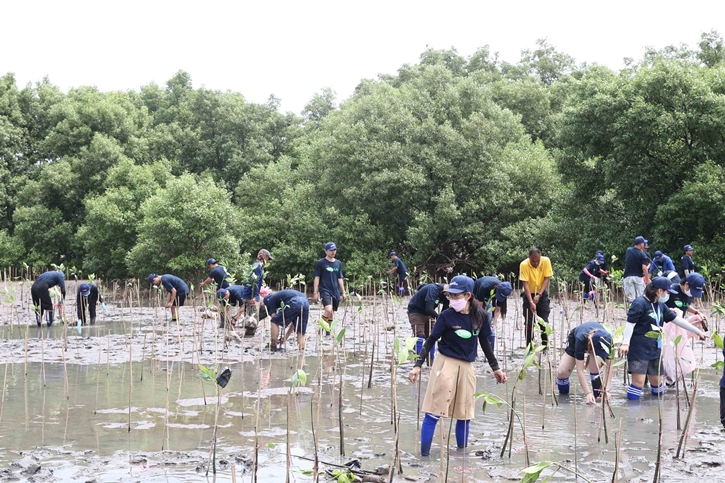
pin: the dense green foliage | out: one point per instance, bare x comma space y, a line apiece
452, 162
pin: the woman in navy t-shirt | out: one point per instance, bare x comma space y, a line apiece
643, 353
452, 383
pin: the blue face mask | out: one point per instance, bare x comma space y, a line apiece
665, 298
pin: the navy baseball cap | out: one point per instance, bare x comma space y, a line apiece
688, 248
600, 339
460, 284
85, 289
658, 254
503, 291
697, 284
639, 239
391, 254
266, 253
211, 261
663, 283
221, 293
600, 258
151, 278
330, 246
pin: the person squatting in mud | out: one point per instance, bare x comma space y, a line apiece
589, 339
452, 384
289, 309
40, 293
643, 353
233, 296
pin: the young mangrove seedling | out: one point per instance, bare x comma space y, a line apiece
210, 374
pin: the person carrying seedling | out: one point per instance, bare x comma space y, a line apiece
422, 312
40, 294
290, 309
687, 266
452, 384
535, 274
255, 281
217, 274
177, 291
491, 293
590, 276
662, 266
585, 339
329, 284
399, 269
688, 288
643, 353
87, 296
635, 269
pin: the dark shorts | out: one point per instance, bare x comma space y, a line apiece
570, 341
421, 324
327, 299
179, 300
644, 367
297, 313
40, 293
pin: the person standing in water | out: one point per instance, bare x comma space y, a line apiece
452, 384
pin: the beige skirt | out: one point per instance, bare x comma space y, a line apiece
451, 387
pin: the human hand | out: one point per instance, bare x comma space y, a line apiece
169, 305
623, 350
343, 296
590, 398
315, 297
532, 306
500, 376
413, 376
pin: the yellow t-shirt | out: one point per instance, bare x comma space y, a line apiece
535, 276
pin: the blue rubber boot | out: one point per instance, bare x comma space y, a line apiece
427, 429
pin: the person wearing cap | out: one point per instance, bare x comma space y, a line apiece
585, 339
401, 270
290, 309
590, 276
87, 296
256, 280
535, 274
217, 273
40, 294
452, 384
604, 267
176, 288
687, 266
662, 266
422, 312
329, 284
491, 294
635, 269
688, 288
643, 353
233, 296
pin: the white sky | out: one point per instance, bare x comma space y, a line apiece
292, 49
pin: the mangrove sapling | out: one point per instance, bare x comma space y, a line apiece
221, 379
617, 447
658, 333
489, 398
299, 378
682, 445
532, 473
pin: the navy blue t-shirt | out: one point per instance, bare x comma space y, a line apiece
686, 263
172, 281
402, 270
256, 279
593, 268
329, 273
452, 344
484, 287
53, 279
236, 294
679, 300
644, 314
431, 293
633, 261
581, 338
294, 303
220, 276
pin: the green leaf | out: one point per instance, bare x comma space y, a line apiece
323, 323
341, 336
396, 345
719, 365
653, 334
718, 340
410, 343
402, 357
271, 445
537, 468
619, 363
677, 339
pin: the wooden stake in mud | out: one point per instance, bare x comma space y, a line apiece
682, 445
617, 447
98, 379
130, 383
5, 379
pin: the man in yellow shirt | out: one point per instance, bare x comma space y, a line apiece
535, 274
